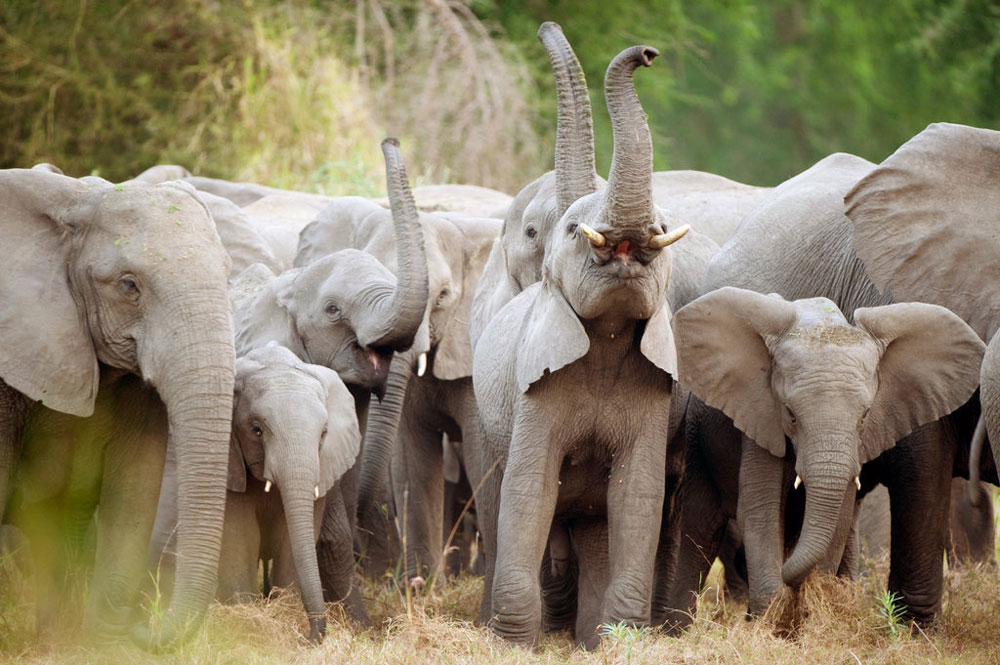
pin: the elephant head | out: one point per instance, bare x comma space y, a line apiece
925, 225
345, 311
515, 261
842, 394
294, 428
132, 277
605, 258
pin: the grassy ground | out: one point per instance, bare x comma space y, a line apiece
840, 622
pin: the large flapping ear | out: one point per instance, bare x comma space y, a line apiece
453, 359
552, 338
929, 368
46, 351
657, 342
723, 352
338, 451
926, 222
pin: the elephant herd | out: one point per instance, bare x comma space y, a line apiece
627, 377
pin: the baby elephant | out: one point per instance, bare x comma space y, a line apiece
294, 435
816, 399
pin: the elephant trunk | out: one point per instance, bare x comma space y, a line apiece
576, 175
828, 476
396, 319
194, 358
298, 499
629, 195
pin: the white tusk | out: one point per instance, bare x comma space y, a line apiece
798, 481
267, 486
857, 481
316, 491
595, 238
662, 240
421, 364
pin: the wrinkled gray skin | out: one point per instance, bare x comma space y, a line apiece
711, 204
134, 343
405, 428
798, 243
294, 426
348, 312
570, 437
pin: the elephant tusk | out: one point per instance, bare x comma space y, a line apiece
267, 486
798, 481
316, 491
662, 240
596, 239
422, 363
857, 482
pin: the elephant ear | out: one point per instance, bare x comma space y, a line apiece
453, 358
929, 367
657, 342
338, 451
927, 222
46, 351
723, 350
552, 337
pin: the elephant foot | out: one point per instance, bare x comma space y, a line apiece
317, 629
166, 634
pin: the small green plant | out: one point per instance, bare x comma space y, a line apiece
622, 635
891, 610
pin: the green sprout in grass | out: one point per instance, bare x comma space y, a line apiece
623, 633
891, 610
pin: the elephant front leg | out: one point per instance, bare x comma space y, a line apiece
761, 519
336, 558
419, 489
635, 509
527, 503
13, 413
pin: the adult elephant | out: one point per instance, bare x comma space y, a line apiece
798, 243
560, 398
816, 399
115, 333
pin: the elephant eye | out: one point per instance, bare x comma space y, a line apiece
332, 309
256, 429
864, 416
129, 287
571, 227
791, 415
323, 435
444, 294
530, 231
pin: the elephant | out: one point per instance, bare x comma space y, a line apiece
573, 382
797, 242
134, 344
466, 200
815, 399
241, 236
711, 204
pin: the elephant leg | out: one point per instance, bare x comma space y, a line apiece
560, 574
919, 482
527, 504
761, 517
13, 413
336, 559
734, 561
971, 529
591, 540
849, 562
417, 474
669, 545
486, 476
635, 507
133, 468
241, 547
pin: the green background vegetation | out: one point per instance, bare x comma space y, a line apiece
297, 93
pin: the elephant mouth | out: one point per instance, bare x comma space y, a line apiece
370, 368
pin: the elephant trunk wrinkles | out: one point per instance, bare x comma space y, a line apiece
196, 386
298, 501
396, 319
576, 175
380, 435
629, 202
828, 476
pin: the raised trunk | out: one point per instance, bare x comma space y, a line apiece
630, 186
576, 175
395, 320
196, 385
827, 494
298, 501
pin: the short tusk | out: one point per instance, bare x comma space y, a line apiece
267, 486
421, 364
316, 491
857, 482
662, 240
798, 481
595, 238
